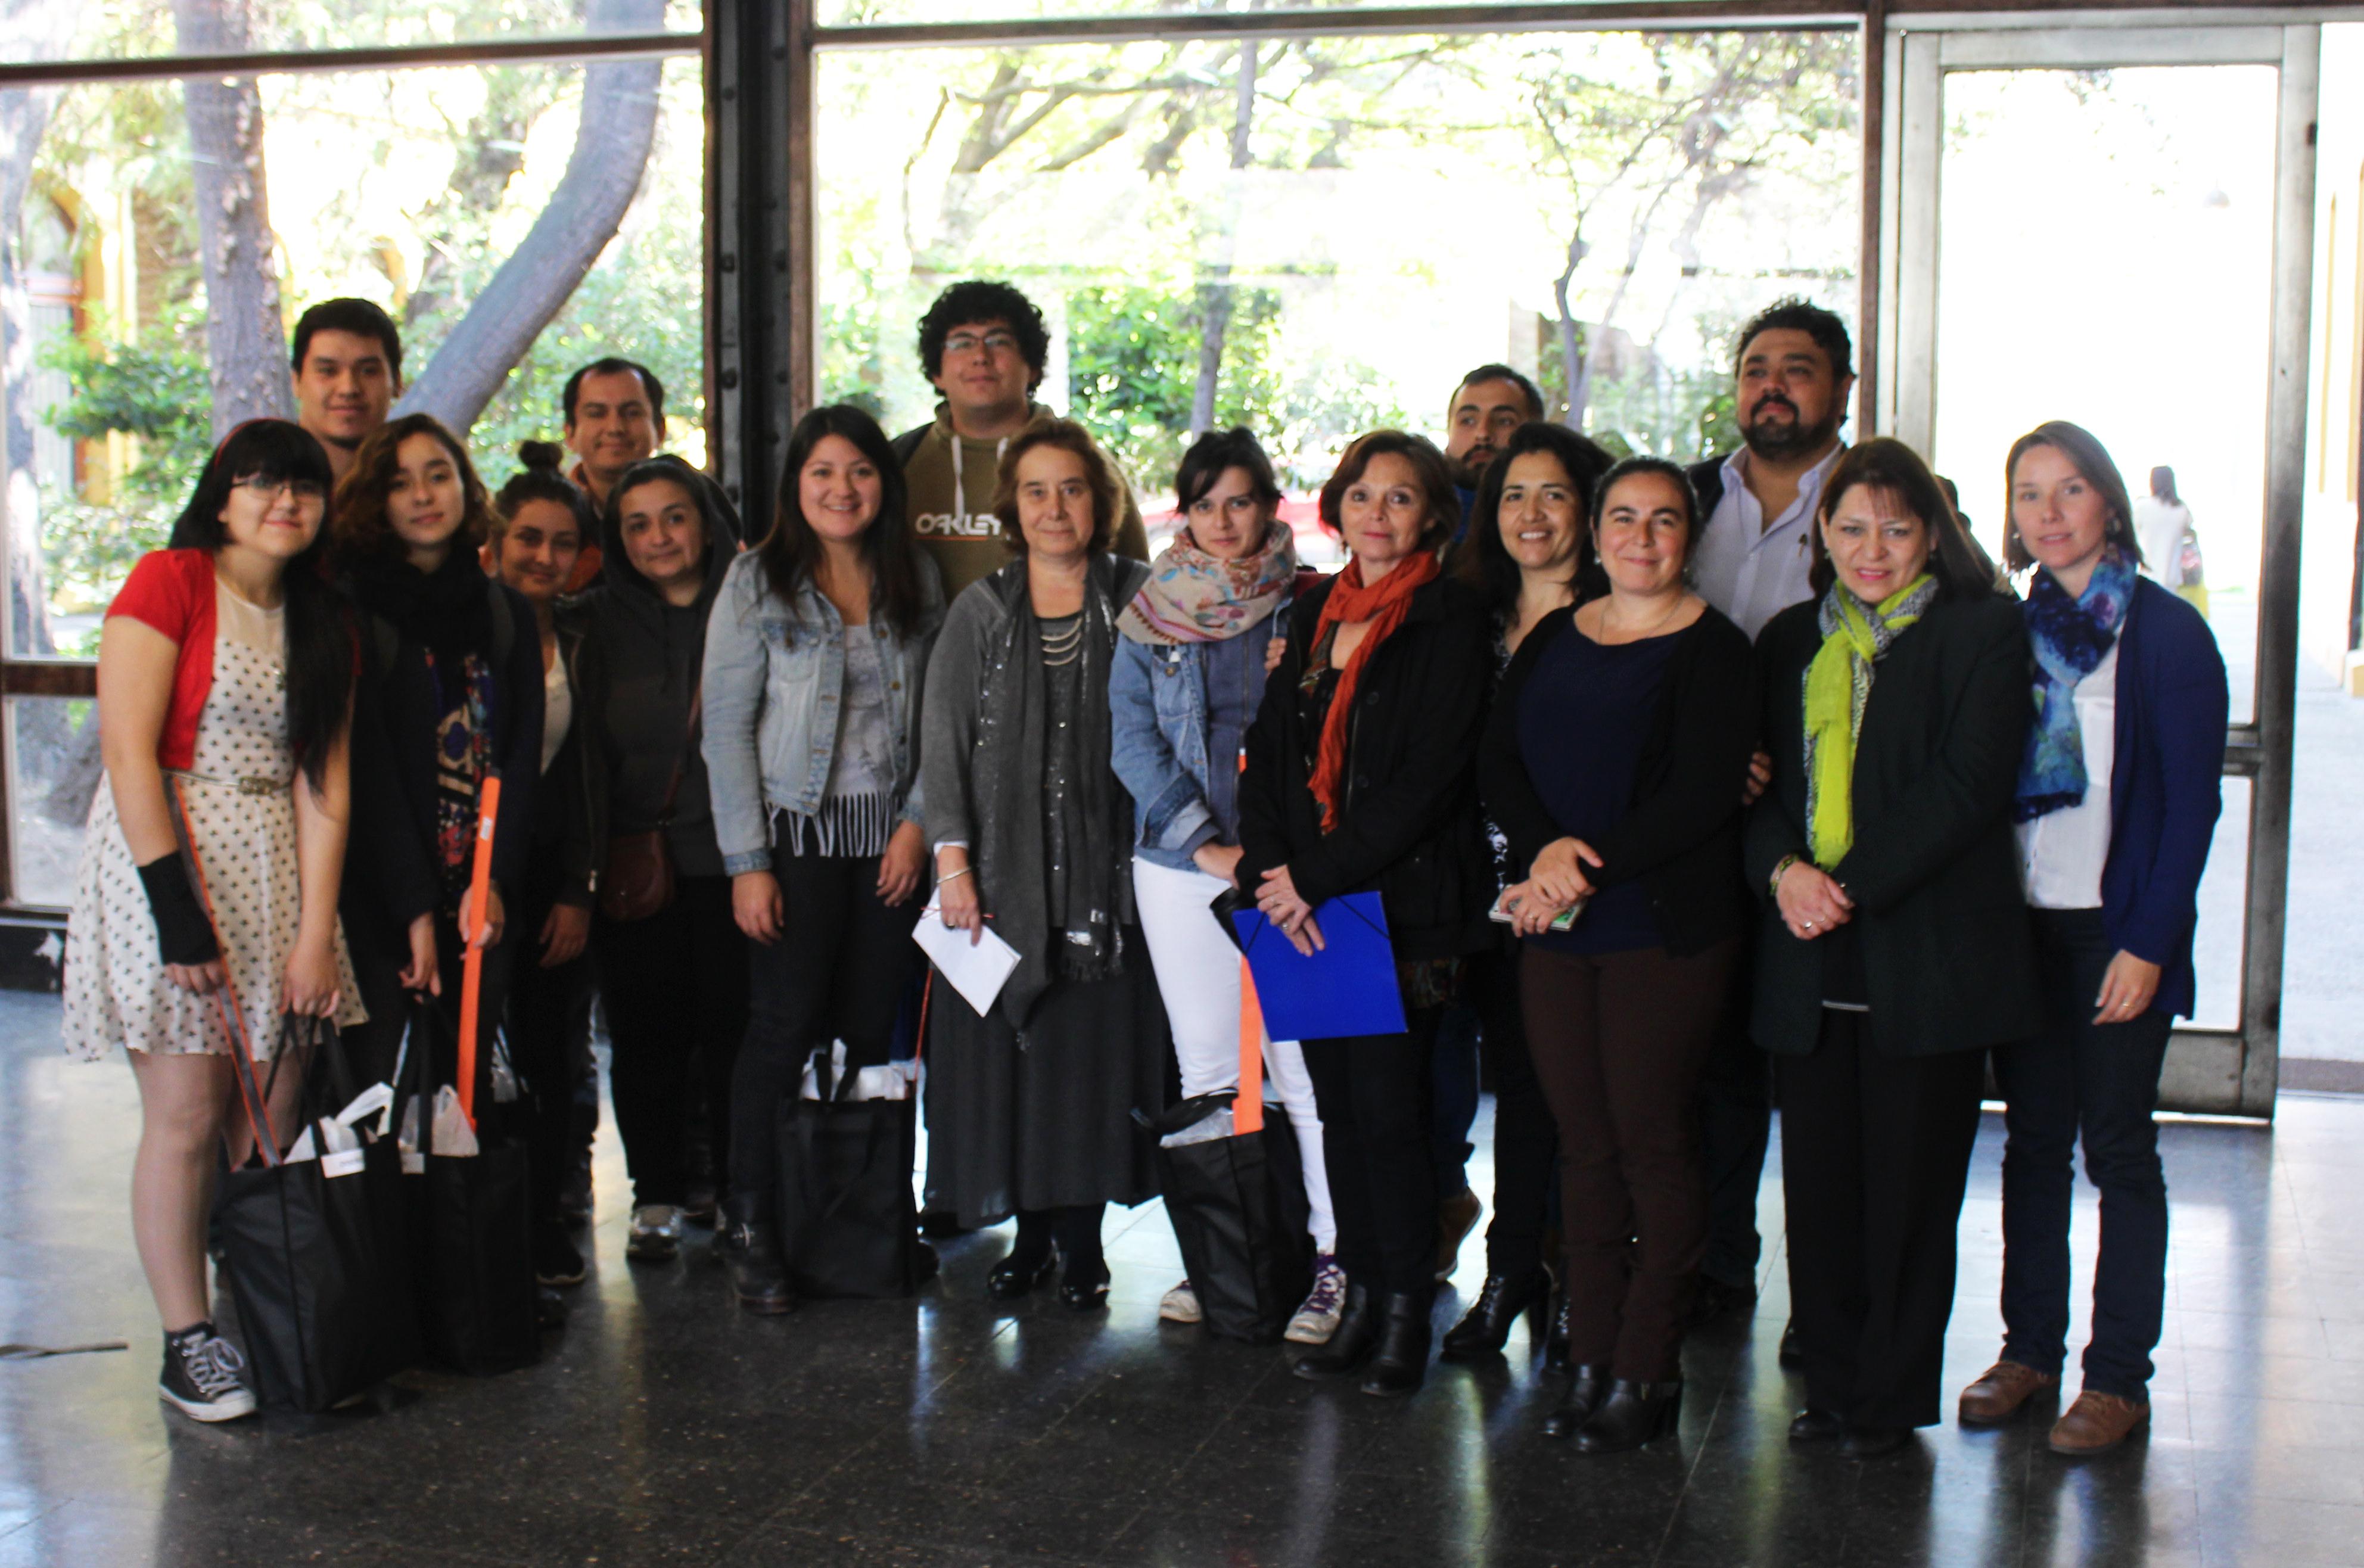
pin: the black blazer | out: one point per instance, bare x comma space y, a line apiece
1681, 830
1949, 957
1408, 824
570, 829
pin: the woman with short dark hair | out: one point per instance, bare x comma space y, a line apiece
1030, 1106
816, 660
673, 980
2119, 792
1894, 946
1613, 761
225, 664
1361, 777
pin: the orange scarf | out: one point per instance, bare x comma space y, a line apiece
1385, 606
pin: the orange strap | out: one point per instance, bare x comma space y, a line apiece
471, 965
1247, 1110
242, 1049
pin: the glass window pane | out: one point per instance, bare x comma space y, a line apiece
2082, 212
2216, 948
120, 29
413, 189
857, 13
1318, 237
54, 742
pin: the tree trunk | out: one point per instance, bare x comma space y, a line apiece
30, 29
611, 150
246, 337
1215, 294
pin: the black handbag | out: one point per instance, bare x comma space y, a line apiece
1238, 1203
848, 1224
316, 1253
471, 1223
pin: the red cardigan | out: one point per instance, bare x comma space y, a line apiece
172, 590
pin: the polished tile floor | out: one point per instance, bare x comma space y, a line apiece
665, 1426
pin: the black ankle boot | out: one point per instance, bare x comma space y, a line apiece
751, 1245
1632, 1414
1351, 1345
1555, 1352
1486, 1326
1400, 1362
1586, 1388
1032, 1261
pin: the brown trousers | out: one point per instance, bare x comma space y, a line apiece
1620, 1041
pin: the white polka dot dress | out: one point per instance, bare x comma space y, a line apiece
241, 811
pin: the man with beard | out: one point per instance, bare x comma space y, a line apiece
345, 372
1491, 401
1795, 371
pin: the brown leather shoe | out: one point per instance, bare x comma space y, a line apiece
2001, 1390
1456, 1217
2096, 1423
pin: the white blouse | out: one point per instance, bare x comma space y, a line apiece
557, 710
2062, 853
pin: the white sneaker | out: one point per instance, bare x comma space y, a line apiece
201, 1376
656, 1233
1179, 1304
1318, 1318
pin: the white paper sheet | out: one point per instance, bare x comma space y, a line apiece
976, 972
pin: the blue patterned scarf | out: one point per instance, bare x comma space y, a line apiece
2071, 637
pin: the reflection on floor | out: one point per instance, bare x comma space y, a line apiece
664, 1427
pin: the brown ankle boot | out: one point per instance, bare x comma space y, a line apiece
2001, 1390
2096, 1423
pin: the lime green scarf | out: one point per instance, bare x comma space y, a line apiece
1854, 637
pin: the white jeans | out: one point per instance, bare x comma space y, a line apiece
1199, 975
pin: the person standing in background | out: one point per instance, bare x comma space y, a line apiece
345, 372
614, 412
983, 345
2170, 542
674, 982
1753, 559
541, 523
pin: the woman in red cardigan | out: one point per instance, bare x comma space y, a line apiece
225, 681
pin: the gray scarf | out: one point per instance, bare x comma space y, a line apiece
1009, 767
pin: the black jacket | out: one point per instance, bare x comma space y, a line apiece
636, 677
392, 865
1681, 830
1408, 822
1949, 957
570, 828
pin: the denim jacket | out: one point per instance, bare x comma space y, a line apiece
1158, 743
775, 678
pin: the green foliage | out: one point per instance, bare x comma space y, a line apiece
155, 390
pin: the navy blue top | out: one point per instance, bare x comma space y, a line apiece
2166, 772
1584, 717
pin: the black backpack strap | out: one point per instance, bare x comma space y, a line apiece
504, 624
909, 442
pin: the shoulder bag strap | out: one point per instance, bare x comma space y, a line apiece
681, 762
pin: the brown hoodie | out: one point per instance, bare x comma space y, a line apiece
950, 482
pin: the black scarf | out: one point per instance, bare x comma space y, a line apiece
446, 610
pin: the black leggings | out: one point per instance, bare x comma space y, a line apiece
838, 972
549, 1029
1375, 1094
676, 985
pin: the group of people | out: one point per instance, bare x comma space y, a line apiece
1683, 791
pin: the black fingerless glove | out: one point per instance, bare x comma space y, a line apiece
183, 932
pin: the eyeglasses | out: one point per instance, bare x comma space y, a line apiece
970, 343
269, 490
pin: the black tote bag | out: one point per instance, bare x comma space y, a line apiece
1240, 1217
471, 1223
848, 1224
318, 1263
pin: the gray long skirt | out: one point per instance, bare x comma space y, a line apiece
1045, 1120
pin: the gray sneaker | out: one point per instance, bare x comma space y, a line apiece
1318, 1318
1179, 1304
656, 1233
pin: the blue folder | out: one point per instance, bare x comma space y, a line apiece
1346, 987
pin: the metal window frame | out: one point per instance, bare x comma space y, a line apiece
78, 678
2234, 1071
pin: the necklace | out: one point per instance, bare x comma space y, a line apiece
1606, 628
1065, 646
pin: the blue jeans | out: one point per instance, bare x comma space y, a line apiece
2101, 1082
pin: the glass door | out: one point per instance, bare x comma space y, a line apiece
2114, 226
